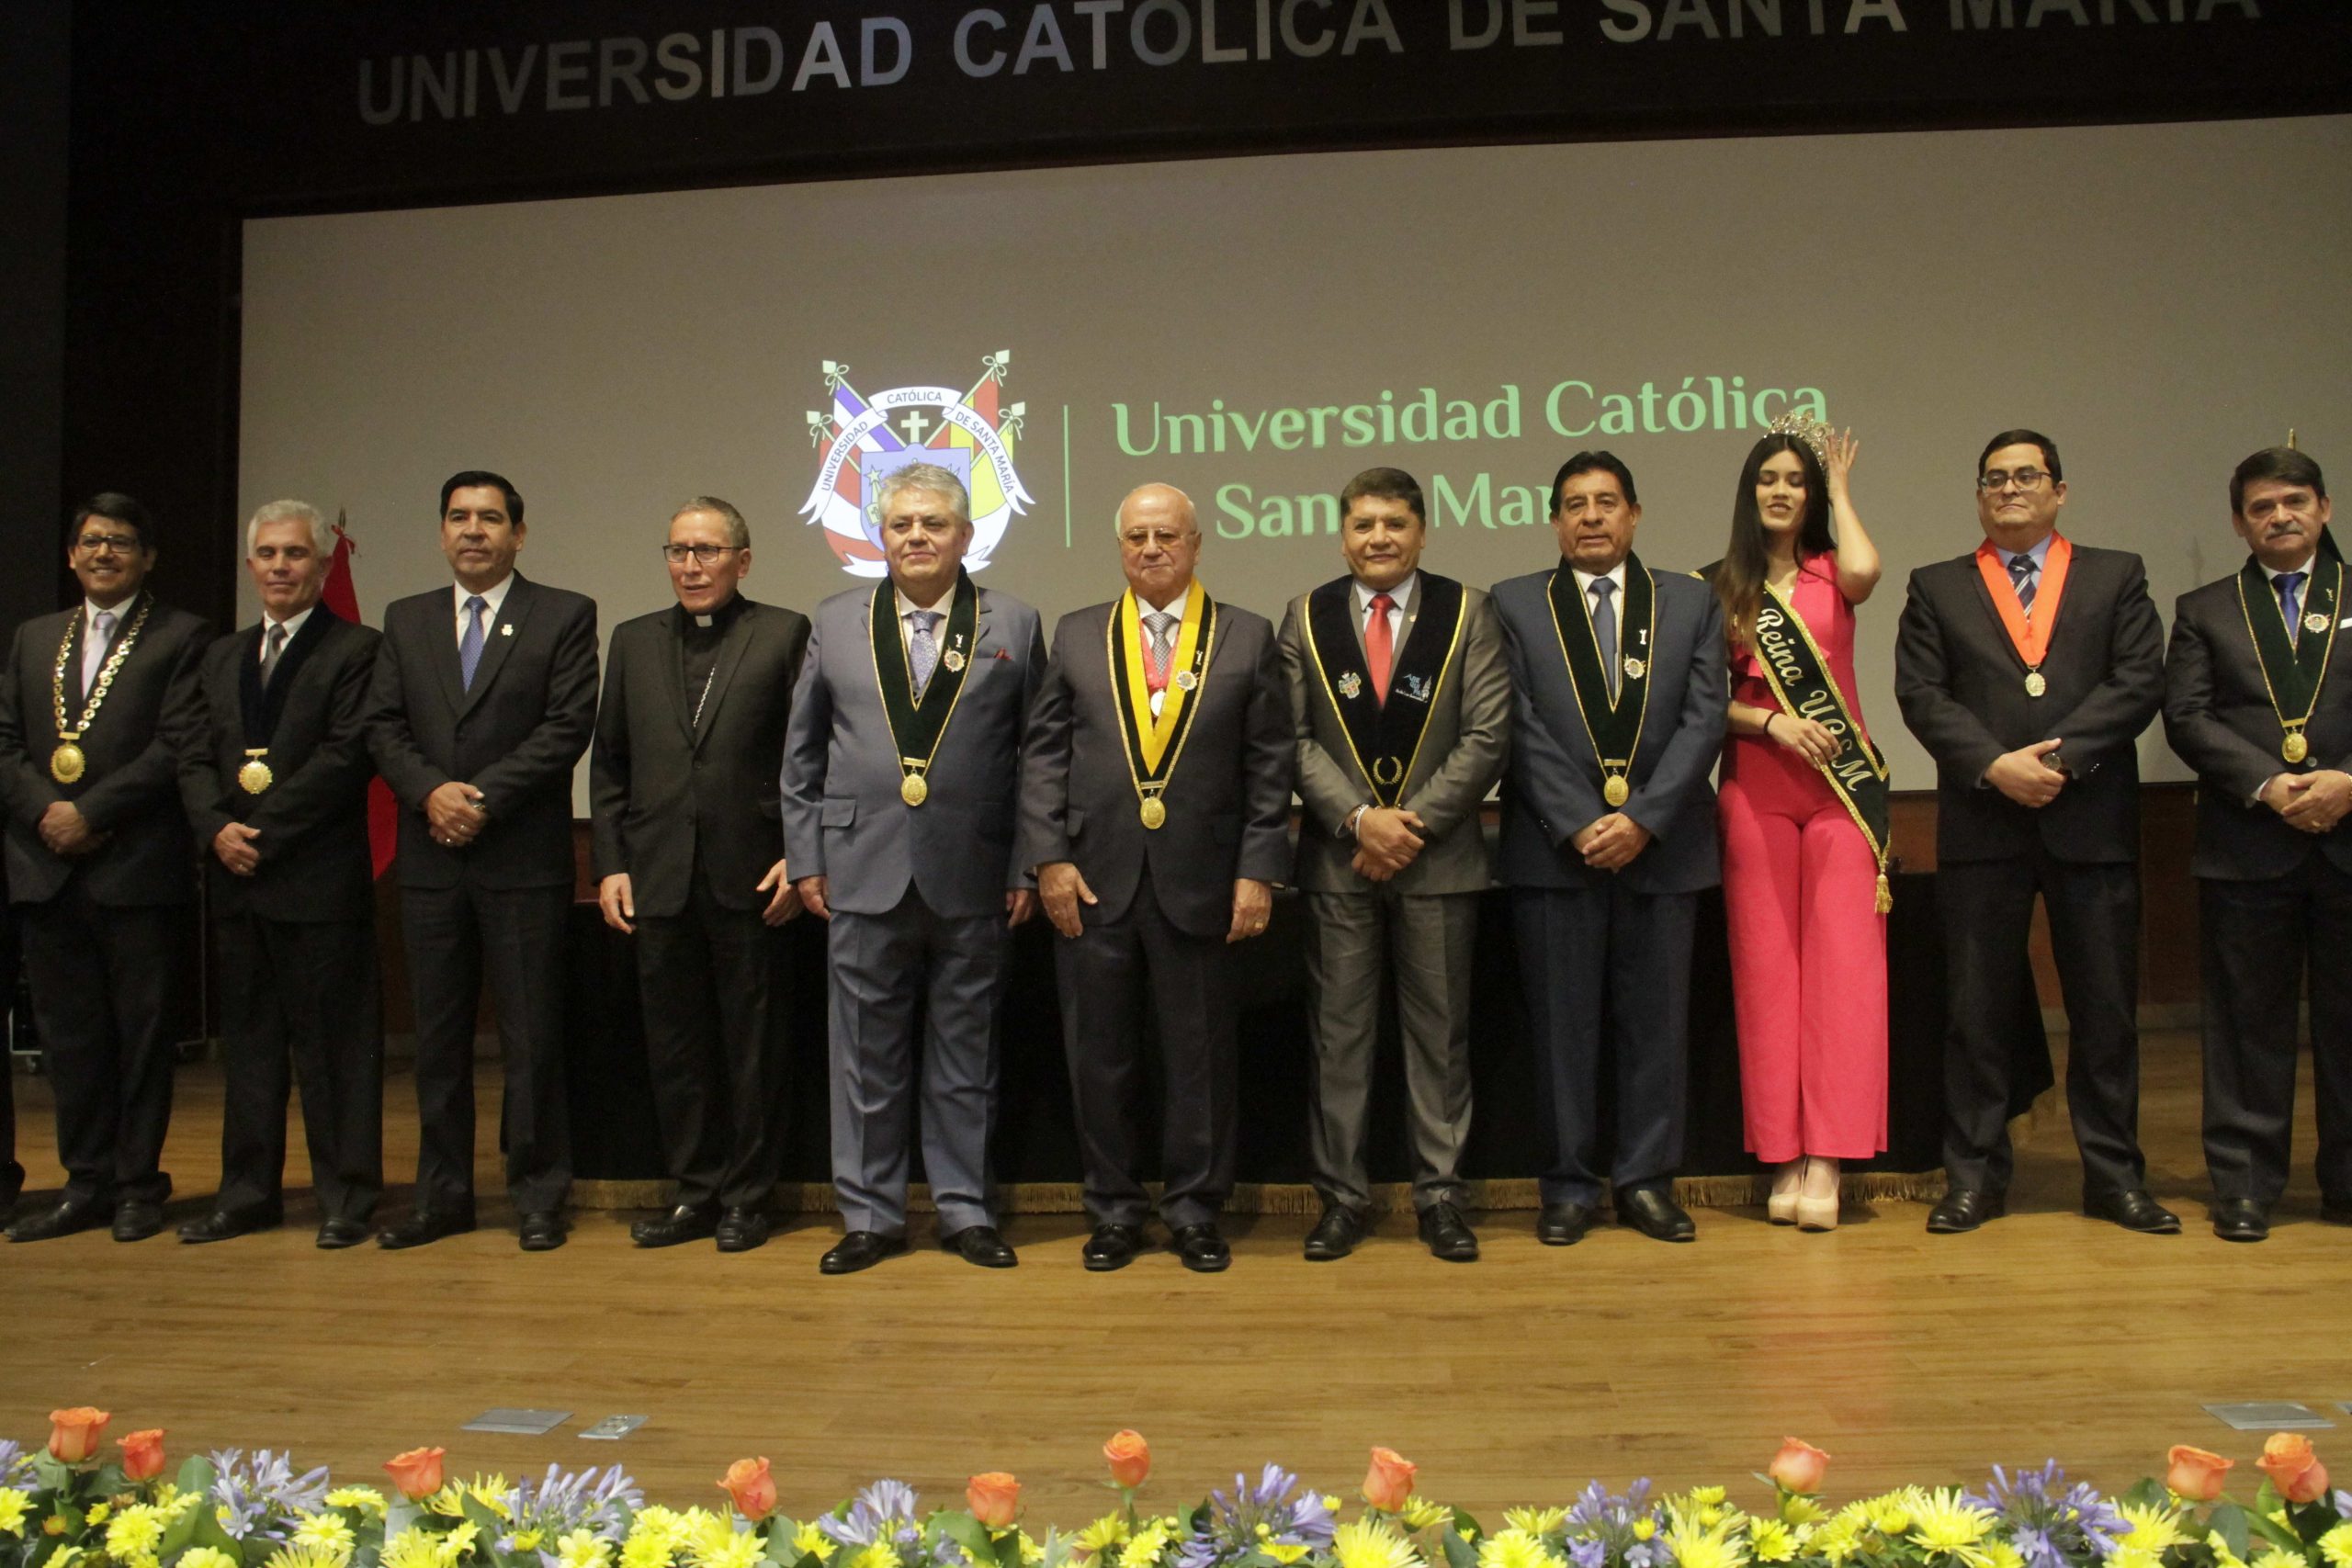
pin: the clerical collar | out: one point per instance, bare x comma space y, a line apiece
726, 612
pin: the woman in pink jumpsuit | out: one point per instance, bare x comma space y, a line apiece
1808, 945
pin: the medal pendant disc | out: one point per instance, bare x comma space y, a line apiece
2034, 685
1616, 792
1154, 815
913, 790
67, 763
256, 777
2294, 747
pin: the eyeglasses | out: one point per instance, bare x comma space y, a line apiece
2000, 478
707, 554
120, 544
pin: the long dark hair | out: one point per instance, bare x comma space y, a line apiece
1739, 581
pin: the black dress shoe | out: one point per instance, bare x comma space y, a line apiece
541, 1230
1962, 1209
742, 1228
71, 1214
1563, 1224
2134, 1211
1655, 1214
1202, 1250
980, 1245
1448, 1235
420, 1229
2240, 1219
1113, 1247
685, 1223
1334, 1236
860, 1249
335, 1234
221, 1224
2335, 1211
136, 1219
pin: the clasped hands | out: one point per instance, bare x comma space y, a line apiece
454, 812
2314, 802
66, 831
1388, 839
1610, 842
1061, 889
2026, 776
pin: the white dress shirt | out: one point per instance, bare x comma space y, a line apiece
494, 597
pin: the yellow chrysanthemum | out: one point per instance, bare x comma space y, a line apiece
1536, 1521
808, 1538
584, 1548
135, 1532
1693, 1547
1796, 1508
2131, 1557
1033, 1550
1334, 1502
1889, 1515
67, 1557
1282, 1551
491, 1491
2223, 1556
1706, 1496
206, 1557
1513, 1548
2336, 1546
364, 1500
412, 1547
1374, 1543
2001, 1554
736, 1550
450, 1502
880, 1554
1838, 1539
1644, 1528
2275, 1558
1772, 1542
529, 1540
98, 1514
1105, 1533
295, 1554
328, 1533
1418, 1513
1145, 1547
2155, 1528
1947, 1524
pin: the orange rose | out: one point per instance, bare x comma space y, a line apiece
1799, 1466
74, 1435
142, 1454
2194, 1473
1389, 1483
995, 1498
748, 1482
1130, 1457
417, 1472
2287, 1460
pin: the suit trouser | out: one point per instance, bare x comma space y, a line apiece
12, 1174
1354, 941
515, 935
1987, 909
712, 983
1607, 973
101, 978
880, 964
1118, 977
2260, 939
300, 1004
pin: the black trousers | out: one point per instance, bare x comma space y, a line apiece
2260, 939
12, 1174
2094, 910
712, 981
1118, 979
515, 936
1607, 974
101, 978
299, 1003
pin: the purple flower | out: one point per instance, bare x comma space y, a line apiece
885, 1507
1588, 1552
1229, 1529
261, 1498
2049, 1527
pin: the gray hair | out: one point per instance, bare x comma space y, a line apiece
1119, 518
929, 476
321, 537
739, 532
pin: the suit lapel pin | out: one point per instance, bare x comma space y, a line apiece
507, 629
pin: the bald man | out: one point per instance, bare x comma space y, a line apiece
1155, 798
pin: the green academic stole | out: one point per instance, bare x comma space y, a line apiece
1384, 737
1801, 685
917, 723
1154, 743
1613, 725
2293, 667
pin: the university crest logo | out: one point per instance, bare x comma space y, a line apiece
970, 434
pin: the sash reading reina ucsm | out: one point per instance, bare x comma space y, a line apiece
1613, 725
1155, 742
1384, 737
1801, 681
2293, 667
918, 722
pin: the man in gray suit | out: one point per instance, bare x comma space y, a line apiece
900, 769
1401, 700
689, 858
1609, 836
1155, 803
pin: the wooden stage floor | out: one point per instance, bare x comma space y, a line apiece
1909, 1358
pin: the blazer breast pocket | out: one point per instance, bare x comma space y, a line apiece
837, 811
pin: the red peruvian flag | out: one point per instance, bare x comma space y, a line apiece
383, 811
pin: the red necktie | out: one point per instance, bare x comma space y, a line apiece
1377, 650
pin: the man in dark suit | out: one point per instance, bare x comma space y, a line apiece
899, 783
1154, 801
95, 705
689, 856
485, 698
12, 1174
1401, 702
2252, 702
1618, 677
276, 784
2028, 669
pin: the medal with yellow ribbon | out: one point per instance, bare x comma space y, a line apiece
919, 719
255, 777
2293, 667
67, 763
1155, 742
1613, 722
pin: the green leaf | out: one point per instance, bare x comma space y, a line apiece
1469, 1528
481, 1518
400, 1513
209, 1533
2228, 1521
1459, 1553
2274, 1532
196, 1474
964, 1532
2148, 1494
55, 1475
180, 1534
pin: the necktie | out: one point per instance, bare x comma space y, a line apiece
94, 657
2289, 585
923, 649
270, 655
1157, 626
1604, 630
470, 645
2024, 574
1379, 651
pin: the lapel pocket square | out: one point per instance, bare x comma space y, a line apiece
1003, 654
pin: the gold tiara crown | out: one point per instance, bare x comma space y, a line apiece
1811, 432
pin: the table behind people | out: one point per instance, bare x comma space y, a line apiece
485, 698
93, 712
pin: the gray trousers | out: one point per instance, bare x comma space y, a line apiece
1354, 941
880, 964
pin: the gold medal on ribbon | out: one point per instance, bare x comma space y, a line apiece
2034, 685
913, 790
1154, 814
1616, 791
2294, 747
2292, 669
1153, 741
67, 763
255, 777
